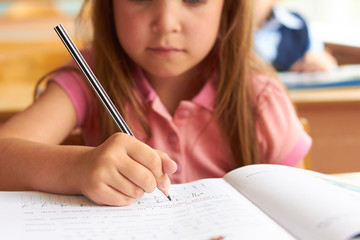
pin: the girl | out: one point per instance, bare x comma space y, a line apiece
184, 76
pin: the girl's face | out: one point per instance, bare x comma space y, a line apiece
167, 37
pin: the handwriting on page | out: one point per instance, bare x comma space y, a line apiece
182, 196
203, 210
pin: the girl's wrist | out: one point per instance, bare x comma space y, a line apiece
74, 173
64, 171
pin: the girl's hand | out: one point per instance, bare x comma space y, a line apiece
122, 169
310, 63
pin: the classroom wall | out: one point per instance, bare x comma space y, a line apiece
332, 21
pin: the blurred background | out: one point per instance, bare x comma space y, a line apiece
29, 47
334, 21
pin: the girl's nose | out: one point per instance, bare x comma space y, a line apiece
166, 17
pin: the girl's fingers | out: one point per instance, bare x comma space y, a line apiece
120, 183
150, 159
131, 167
106, 195
169, 166
297, 66
147, 157
137, 174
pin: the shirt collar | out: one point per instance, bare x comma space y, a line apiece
205, 98
282, 16
146, 91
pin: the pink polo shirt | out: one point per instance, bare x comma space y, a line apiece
199, 148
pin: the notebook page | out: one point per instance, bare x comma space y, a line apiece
200, 210
306, 203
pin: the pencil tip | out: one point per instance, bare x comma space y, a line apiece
169, 197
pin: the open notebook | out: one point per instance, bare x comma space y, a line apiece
252, 202
342, 76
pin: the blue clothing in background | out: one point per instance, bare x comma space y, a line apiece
284, 38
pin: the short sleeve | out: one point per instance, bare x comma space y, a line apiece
77, 88
281, 137
72, 84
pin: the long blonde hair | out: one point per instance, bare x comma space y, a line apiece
236, 58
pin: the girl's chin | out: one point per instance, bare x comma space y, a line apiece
170, 71
161, 73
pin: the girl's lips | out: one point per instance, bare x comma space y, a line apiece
164, 51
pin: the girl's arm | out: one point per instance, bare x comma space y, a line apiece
114, 173
323, 62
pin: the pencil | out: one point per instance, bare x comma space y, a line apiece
94, 82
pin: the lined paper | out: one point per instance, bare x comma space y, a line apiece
204, 209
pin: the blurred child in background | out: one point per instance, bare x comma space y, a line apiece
283, 39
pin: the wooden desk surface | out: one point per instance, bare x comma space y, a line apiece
334, 119
325, 96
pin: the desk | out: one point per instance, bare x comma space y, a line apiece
334, 119
344, 54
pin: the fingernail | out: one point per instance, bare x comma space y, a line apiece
165, 185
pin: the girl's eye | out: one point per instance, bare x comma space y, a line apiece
140, 1
194, 1
187, 1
